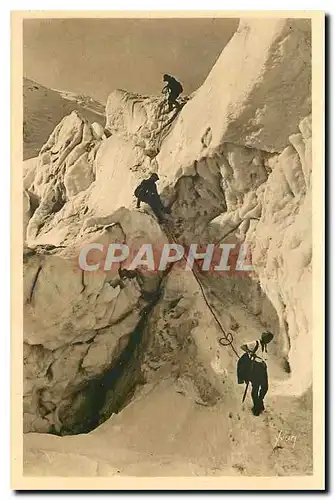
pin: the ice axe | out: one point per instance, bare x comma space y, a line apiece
245, 391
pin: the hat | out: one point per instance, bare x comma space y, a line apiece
267, 336
154, 176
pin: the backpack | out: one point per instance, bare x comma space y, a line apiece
180, 87
176, 86
244, 365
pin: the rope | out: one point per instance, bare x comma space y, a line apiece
227, 339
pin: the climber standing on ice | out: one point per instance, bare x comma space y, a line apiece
147, 192
174, 89
252, 368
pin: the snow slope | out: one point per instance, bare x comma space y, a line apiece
44, 108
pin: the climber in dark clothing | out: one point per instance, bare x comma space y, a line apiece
174, 88
147, 192
252, 368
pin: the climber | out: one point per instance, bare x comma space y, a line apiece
147, 192
174, 88
251, 367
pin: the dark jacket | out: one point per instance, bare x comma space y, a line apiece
146, 189
174, 86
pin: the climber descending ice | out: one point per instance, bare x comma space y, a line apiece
147, 192
174, 89
251, 367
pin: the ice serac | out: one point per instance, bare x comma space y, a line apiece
136, 127
78, 323
248, 143
255, 95
234, 166
76, 194
282, 252
144, 120
63, 169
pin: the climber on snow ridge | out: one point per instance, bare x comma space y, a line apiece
174, 88
147, 192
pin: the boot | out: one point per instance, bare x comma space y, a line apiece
255, 411
261, 406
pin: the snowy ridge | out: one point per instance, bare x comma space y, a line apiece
44, 108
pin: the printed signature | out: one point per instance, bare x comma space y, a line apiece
285, 437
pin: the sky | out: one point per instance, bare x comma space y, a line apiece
95, 56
